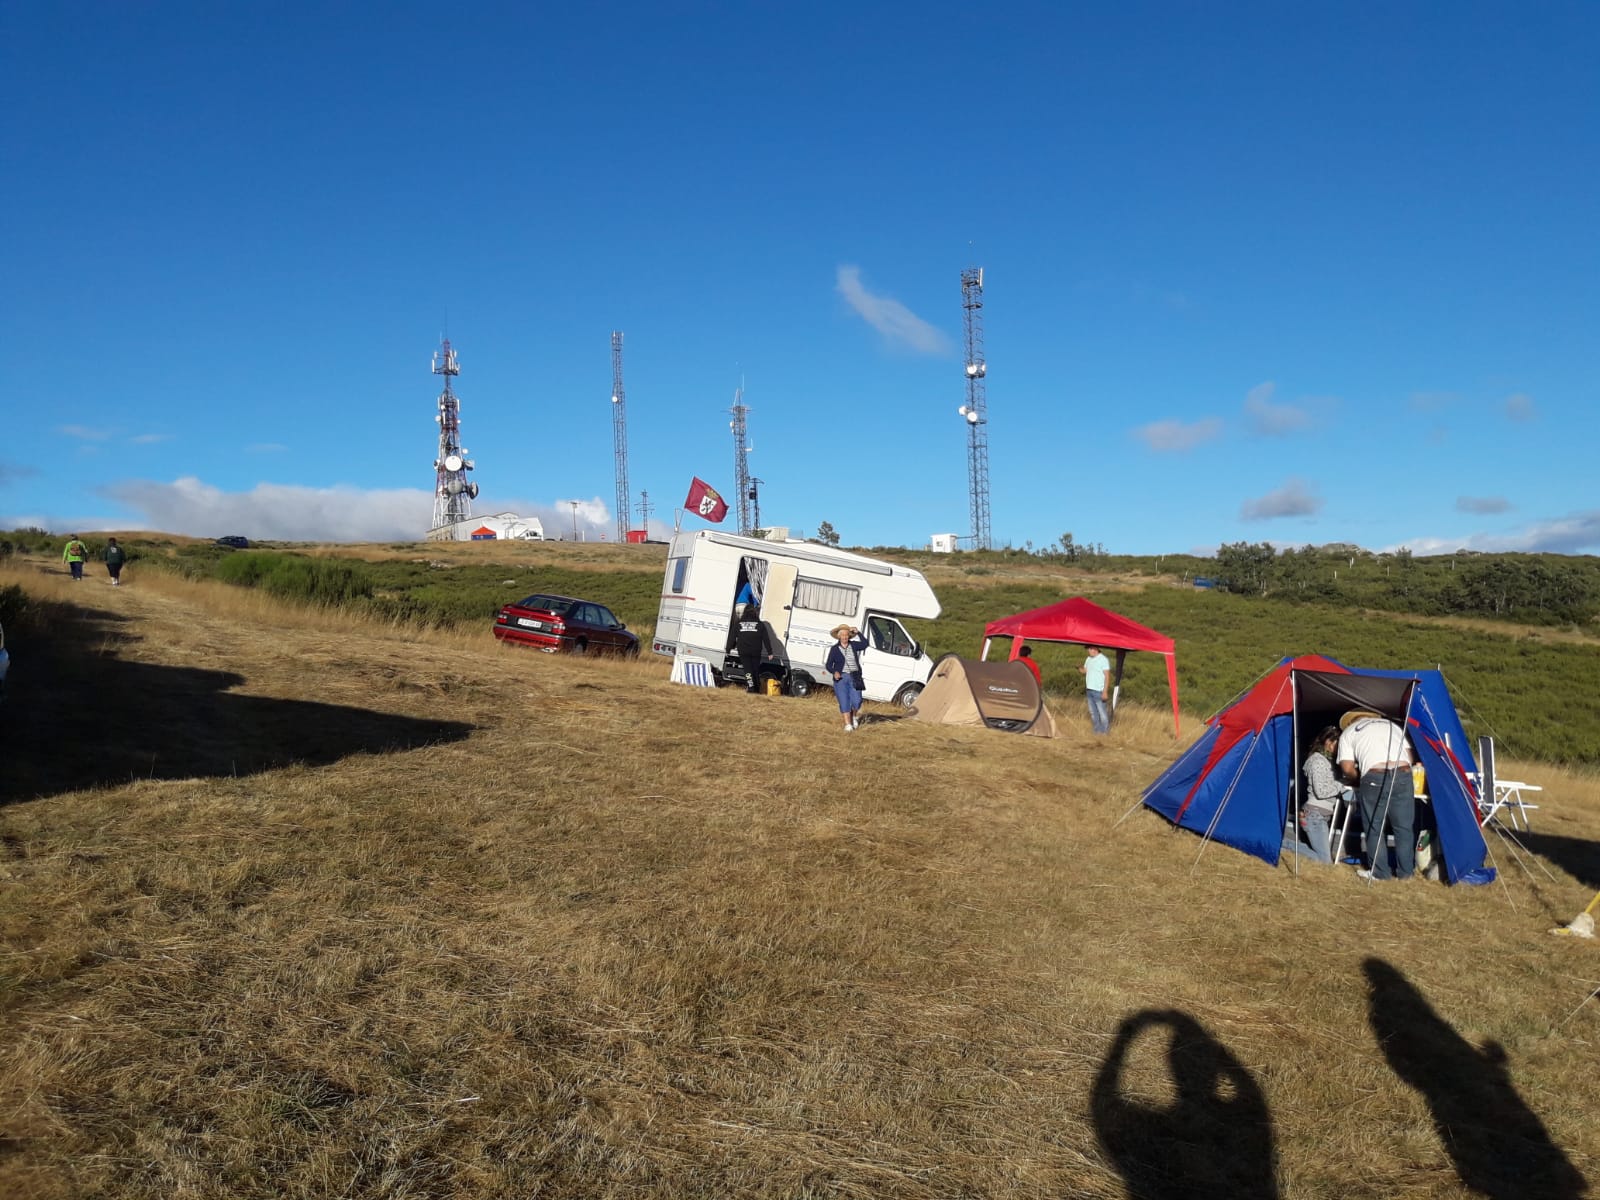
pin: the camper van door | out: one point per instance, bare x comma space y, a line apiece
777, 602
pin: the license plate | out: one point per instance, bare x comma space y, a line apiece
527, 624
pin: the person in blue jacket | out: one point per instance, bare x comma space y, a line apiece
844, 664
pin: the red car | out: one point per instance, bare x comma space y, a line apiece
554, 623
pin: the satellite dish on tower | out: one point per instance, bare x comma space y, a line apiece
452, 462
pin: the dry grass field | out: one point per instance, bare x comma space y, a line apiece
297, 905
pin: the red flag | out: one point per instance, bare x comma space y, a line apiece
705, 501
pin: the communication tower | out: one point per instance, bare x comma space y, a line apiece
452, 494
755, 502
741, 458
976, 410
645, 509
619, 436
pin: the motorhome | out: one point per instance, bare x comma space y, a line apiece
803, 590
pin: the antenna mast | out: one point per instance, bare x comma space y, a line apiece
452, 494
741, 458
976, 409
619, 436
645, 509
755, 503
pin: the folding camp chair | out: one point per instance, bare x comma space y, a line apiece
1495, 793
1344, 813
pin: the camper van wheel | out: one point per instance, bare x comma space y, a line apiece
800, 684
906, 697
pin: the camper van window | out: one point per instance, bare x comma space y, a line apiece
680, 568
818, 596
889, 636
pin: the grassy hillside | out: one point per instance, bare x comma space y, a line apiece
1536, 689
295, 903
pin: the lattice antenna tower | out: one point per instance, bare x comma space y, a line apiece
645, 509
755, 503
976, 410
619, 436
452, 493
741, 457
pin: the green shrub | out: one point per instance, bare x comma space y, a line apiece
14, 606
295, 577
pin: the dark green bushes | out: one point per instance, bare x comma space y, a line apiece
294, 577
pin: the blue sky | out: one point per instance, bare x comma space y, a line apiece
1292, 273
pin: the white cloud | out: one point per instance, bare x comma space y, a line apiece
897, 323
1482, 504
1273, 420
271, 511
1167, 437
149, 439
85, 433
1293, 499
1520, 407
1578, 533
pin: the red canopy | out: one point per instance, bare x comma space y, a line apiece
1083, 621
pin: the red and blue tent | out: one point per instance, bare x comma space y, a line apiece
1237, 783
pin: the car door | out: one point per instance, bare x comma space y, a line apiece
590, 629
610, 628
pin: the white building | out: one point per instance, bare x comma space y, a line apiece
500, 527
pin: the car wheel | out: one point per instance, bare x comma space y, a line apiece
580, 647
906, 697
801, 684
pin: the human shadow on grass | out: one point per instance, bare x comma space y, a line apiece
1578, 857
78, 715
1214, 1138
1499, 1147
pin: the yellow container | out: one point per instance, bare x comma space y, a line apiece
1419, 780
773, 688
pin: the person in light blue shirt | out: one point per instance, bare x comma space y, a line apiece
1096, 672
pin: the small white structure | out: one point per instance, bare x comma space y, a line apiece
804, 590
506, 526
943, 543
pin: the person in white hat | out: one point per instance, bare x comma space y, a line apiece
844, 664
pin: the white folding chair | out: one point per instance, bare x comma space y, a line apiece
1495, 793
1344, 812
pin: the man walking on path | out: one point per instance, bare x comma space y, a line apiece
115, 556
1096, 671
74, 556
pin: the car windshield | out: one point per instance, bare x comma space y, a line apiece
555, 604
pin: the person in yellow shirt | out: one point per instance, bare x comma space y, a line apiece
75, 555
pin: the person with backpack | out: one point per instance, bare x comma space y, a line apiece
75, 555
115, 556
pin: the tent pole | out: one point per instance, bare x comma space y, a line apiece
1116, 686
1294, 765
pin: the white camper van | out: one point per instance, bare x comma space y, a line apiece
803, 590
